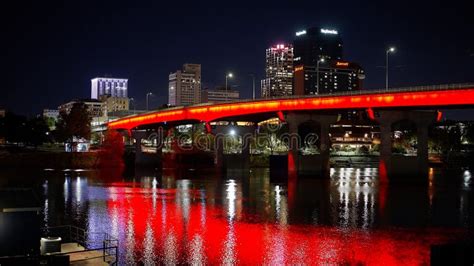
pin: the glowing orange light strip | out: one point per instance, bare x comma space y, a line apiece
438, 99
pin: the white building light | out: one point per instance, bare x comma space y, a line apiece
328, 31
299, 33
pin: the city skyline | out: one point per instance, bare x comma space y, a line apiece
416, 62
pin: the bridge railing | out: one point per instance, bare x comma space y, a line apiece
389, 90
358, 92
344, 93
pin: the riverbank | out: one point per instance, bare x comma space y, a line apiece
44, 160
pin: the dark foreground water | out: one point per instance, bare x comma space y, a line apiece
197, 218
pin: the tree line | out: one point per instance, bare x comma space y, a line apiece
20, 130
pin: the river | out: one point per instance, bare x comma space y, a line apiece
204, 218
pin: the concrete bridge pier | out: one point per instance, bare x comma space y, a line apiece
146, 158
317, 164
397, 167
233, 161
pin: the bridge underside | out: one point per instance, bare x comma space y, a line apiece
392, 167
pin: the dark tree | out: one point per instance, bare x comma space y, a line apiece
13, 128
37, 131
446, 136
469, 134
76, 123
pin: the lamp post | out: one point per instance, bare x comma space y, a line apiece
229, 75
132, 100
253, 86
148, 94
317, 74
389, 50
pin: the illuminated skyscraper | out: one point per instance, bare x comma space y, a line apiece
278, 71
114, 87
184, 87
318, 64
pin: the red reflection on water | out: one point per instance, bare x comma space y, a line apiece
291, 164
383, 174
179, 226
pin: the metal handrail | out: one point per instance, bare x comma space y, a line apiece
79, 235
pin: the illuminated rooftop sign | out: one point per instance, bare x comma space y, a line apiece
299, 33
342, 64
299, 68
327, 31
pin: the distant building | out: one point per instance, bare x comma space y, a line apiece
278, 71
95, 107
219, 95
334, 76
353, 133
114, 104
115, 87
185, 86
51, 113
320, 50
51, 116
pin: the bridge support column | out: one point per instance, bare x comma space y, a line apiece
309, 164
325, 142
138, 136
294, 146
422, 147
219, 151
396, 167
385, 163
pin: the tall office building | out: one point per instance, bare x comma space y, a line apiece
312, 44
184, 86
278, 71
318, 64
114, 87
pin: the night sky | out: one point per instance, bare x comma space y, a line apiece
51, 50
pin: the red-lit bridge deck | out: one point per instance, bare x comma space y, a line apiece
447, 96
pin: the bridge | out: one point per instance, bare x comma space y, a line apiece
419, 105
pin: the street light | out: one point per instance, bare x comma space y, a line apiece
317, 74
229, 75
253, 86
148, 94
389, 50
133, 100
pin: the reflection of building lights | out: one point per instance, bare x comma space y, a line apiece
277, 200
78, 189
231, 192
467, 177
66, 189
